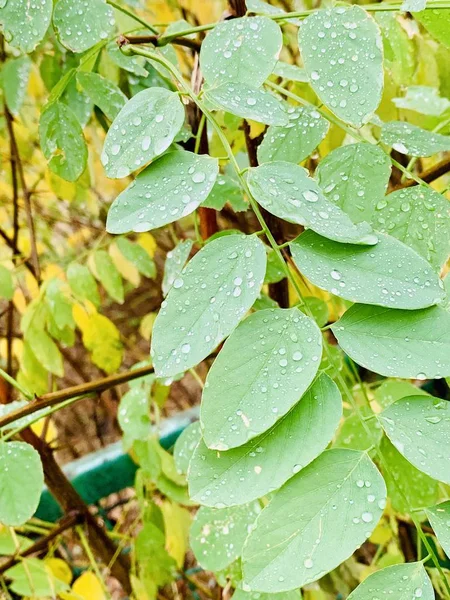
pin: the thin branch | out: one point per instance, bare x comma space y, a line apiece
156, 39
9, 242
429, 175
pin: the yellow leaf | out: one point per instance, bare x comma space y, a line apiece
86, 587
381, 534
256, 129
124, 266
19, 301
177, 521
51, 271
60, 569
146, 326
50, 435
32, 285
148, 242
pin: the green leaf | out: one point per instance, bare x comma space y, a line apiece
241, 50
355, 178
175, 261
275, 268
437, 23
62, 141
80, 26
408, 488
399, 48
79, 102
394, 389
291, 595
314, 522
15, 76
318, 309
104, 93
8, 542
219, 285
414, 141
138, 256
33, 578
286, 191
269, 460
439, 517
282, 350
403, 582
170, 188
156, 566
59, 303
226, 190
185, 446
419, 217
424, 100
342, 53
134, 415
218, 534
291, 72
418, 426
82, 283
352, 433
131, 64
24, 24
45, 350
21, 482
144, 128
295, 141
397, 343
6, 283
245, 101
108, 275
387, 274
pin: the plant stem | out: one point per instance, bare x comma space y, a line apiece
133, 16
16, 384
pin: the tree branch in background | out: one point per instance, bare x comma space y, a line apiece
429, 175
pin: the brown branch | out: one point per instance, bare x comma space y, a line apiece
76, 391
9, 242
429, 175
156, 41
238, 8
43, 543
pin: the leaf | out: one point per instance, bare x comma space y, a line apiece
387, 274
226, 190
355, 178
79, 102
6, 283
59, 303
21, 482
175, 261
134, 415
219, 285
423, 99
144, 129
266, 365
402, 581
291, 72
185, 446
399, 49
138, 256
170, 188
414, 141
295, 141
408, 488
439, 517
397, 343
104, 93
108, 275
437, 23
342, 52
45, 350
62, 141
15, 76
131, 64
412, 5
88, 587
82, 283
394, 389
177, 521
24, 24
314, 522
269, 460
156, 566
249, 103
80, 26
286, 191
419, 217
243, 50
218, 534
418, 426
32, 577
353, 435
291, 595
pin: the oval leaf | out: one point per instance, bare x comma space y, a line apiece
387, 274
104, 93
24, 24
269, 460
439, 517
343, 56
62, 141
21, 482
355, 178
144, 128
80, 25
420, 218
286, 191
412, 140
15, 76
218, 535
214, 291
418, 426
326, 512
241, 50
401, 582
246, 102
282, 350
397, 343
295, 141
170, 188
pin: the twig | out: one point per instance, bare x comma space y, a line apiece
156, 39
429, 175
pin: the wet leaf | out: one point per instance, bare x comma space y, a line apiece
175, 261
402, 581
104, 93
439, 517
291, 72
24, 24
437, 23
412, 140
185, 446
81, 25
423, 99
108, 275
15, 75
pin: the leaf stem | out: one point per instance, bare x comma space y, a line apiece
133, 16
16, 384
